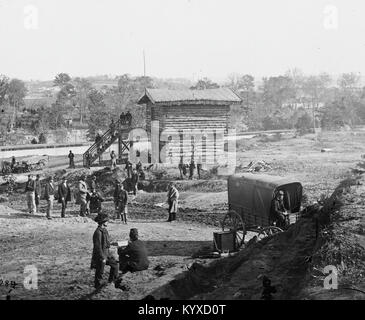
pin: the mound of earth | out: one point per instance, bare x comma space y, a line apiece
331, 234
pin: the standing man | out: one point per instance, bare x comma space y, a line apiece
49, 196
101, 255
191, 169
128, 167
128, 117
95, 202
112, 128
140, 171
37, 192
13, 163
121, 202
280, 212
199, 167
30, 192
113, 157
139, 166
93, 183
82, 196
122, 118
181, 167
172, 200
134, 181
71, 158
64, 195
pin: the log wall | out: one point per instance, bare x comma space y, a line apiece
190, 131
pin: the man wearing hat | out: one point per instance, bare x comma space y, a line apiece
172, 200
82, 196
101, 255
121, 201
280, 212
64, 195
134, 256
30, 192
49, 196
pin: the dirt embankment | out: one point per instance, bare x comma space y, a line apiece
331, 234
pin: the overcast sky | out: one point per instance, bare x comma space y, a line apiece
181, 38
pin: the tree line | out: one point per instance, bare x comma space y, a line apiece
291, 100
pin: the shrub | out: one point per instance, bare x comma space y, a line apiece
304, 124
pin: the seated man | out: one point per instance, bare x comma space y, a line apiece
280, 213
134, 256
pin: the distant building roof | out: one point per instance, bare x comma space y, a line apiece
220, 96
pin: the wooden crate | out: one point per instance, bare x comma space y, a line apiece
224, 241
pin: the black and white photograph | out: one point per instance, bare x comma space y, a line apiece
182, 150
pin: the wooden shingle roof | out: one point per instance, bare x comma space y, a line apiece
220, 96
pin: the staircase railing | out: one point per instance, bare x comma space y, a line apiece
106, 140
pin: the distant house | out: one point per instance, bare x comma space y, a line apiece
192, 123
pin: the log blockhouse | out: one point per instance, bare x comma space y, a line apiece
192, 123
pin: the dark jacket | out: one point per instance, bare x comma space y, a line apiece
279, 207
134, 178
93, 185
120, 196
49, 191
95, 202
71, 156
137, 252
30, 185
64, 192
101, 241
37, 187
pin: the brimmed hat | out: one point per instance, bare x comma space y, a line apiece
101, 218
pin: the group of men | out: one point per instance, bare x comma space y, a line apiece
191, 166
126, 118
33, 190
90, 201
131, 258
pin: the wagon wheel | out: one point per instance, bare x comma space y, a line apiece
232, 221
267, 232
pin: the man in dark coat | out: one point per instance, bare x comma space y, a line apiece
95, 201
199, 167
122, 118
101, 255
128, 167
279, 211
134, 181
128, 117
112, 128
93, 183
49, 191
134, 257
37, 192
13, 163
181, 168
71, 158
64, 195
29, 190
121, 201
191, 169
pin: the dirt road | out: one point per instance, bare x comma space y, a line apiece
61, 251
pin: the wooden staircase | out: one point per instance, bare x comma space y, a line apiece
107, 139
